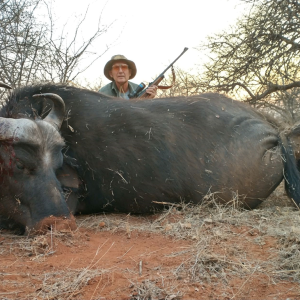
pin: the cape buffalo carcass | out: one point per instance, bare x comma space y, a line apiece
128, 156
30, 154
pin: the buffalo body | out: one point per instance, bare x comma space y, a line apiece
128, 156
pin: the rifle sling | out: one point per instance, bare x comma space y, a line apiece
165, 87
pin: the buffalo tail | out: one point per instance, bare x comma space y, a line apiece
291, 171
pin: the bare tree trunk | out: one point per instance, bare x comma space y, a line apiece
34, 51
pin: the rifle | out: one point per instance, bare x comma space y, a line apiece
140, 91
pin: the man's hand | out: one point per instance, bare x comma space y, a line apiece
151, 91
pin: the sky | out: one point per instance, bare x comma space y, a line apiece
151, 33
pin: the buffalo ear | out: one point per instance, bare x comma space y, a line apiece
68, 176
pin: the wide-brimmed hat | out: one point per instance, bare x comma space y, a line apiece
122, 58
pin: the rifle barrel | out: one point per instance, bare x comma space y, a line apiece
184, 50
161, 76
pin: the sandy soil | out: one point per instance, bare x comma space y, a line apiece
180, 254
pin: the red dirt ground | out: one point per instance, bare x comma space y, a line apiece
118, 264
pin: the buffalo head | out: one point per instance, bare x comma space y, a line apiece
30, 155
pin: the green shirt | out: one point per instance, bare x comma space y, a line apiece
112, 90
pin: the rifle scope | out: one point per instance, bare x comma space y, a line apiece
135, 93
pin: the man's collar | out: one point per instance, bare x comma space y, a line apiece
115, 88
131, 87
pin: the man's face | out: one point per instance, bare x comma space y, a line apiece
120, 72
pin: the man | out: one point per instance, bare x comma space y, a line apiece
119, 70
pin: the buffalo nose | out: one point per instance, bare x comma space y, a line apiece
53, 223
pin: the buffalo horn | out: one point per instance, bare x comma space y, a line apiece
13, 128
5, 85
57, 113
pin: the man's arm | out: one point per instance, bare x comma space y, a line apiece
151, 91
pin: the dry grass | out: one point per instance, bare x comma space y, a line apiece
67, 286
214, 258
150, 290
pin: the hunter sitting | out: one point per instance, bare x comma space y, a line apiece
119, 70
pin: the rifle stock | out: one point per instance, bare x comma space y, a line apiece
143, 94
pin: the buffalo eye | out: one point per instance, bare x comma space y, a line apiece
20, 165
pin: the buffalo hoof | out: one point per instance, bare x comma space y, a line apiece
53, 223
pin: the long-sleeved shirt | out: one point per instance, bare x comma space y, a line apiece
111, 90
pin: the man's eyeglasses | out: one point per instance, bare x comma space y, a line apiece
117, 67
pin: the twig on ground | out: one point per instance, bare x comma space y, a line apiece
140, 267
168, 203
248, 278
125, 253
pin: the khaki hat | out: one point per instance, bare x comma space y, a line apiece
116, 58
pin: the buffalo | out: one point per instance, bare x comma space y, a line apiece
30, 155
133, 156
